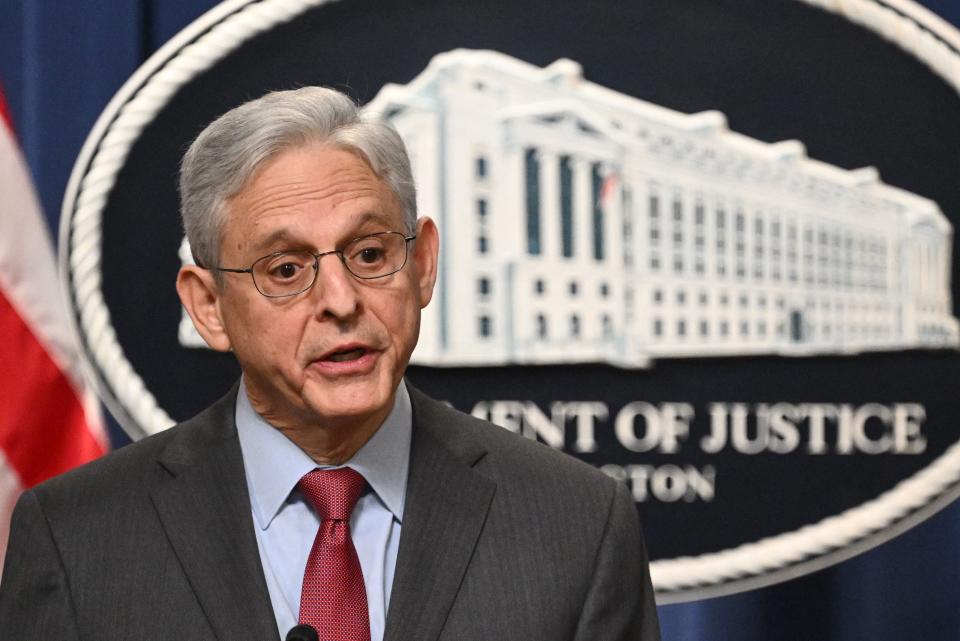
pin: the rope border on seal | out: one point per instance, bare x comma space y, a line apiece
210, 38
221, 30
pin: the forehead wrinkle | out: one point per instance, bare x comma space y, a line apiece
292, 194
342, 185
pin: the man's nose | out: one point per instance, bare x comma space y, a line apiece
335, 290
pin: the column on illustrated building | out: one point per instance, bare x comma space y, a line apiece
420, 129
511, 197
762, 275
889, 294
652, 298
681, 265
705, 243
613, 313
649, 285
887, 298
581, 277
638, 285
719, 266
915, 285
699, 299
774, 311
945, 312
549, 286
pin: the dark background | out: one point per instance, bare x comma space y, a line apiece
60, 63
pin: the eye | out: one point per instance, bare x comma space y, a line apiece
374, 255
370, 255
284, 267
285, 270
368, 251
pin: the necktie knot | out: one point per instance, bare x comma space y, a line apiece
333, 493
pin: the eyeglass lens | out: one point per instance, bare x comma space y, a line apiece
289, 273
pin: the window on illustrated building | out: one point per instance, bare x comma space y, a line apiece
596, 182
480, 167
566, 206
532, 185
542, 326
485, 327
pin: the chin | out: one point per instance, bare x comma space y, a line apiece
356, 400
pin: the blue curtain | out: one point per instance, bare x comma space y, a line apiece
60, 63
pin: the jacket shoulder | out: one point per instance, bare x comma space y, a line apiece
510, 456
129, 470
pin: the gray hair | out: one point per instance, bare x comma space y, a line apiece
229, 151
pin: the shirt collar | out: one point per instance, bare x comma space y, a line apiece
274, 464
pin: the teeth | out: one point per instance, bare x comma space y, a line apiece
352, 355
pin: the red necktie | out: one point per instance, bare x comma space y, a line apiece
334, 600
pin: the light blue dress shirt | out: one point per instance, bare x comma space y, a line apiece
286, 525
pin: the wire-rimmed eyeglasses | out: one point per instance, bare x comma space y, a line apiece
289, 273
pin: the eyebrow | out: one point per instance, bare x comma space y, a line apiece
288, 239
282, 236
369, 217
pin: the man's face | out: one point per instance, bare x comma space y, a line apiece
332, 355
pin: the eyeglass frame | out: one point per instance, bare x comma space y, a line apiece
316, 263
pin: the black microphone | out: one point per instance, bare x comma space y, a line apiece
302, 632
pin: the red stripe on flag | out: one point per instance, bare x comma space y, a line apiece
5, 111
43, 430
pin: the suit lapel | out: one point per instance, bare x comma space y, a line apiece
205, 510
445, 509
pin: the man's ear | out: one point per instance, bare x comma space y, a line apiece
425, 251
199, 294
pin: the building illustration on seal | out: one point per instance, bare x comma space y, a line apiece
579, 224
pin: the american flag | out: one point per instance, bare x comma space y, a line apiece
49, 420
608, 189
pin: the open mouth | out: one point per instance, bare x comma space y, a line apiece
348, 355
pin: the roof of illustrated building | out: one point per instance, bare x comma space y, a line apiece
562, 89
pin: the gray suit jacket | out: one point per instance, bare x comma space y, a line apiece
503, 539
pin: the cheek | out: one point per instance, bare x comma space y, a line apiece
406, 323
280, 339
264, 339
394, 313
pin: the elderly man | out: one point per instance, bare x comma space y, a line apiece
323, 489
